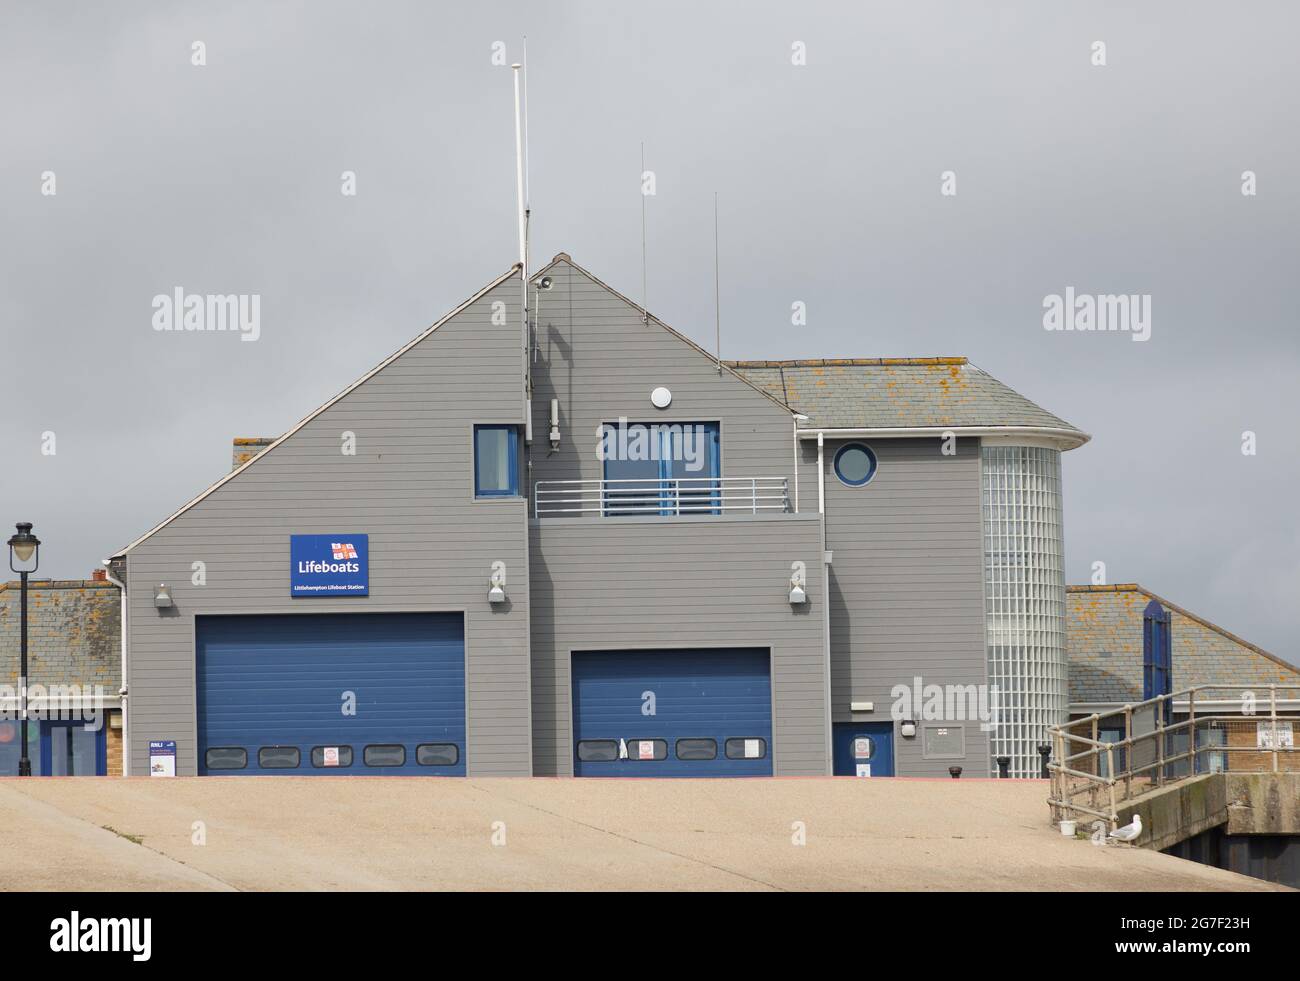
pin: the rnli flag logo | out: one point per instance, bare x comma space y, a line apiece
343, 550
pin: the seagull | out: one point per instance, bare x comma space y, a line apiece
1129, 831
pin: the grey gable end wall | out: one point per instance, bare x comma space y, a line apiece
410, 487
634, 583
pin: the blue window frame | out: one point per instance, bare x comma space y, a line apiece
664, 468
69, 749
855, 464
496, 461
56, 748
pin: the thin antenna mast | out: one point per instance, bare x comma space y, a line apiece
523, 258
717, 301
528, 207
519, 173
645, 301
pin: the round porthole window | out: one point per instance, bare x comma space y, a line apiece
855, 464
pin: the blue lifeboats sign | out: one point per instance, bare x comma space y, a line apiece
329, 565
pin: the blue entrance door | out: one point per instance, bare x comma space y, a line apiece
359, 693
696, 713
863, 749
71, 749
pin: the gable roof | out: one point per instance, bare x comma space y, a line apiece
650, 318
1104, 646
901, 393
251, 461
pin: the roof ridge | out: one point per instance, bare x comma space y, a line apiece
57, 584
855, 362
1132, 587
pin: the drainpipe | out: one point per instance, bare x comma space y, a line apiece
821, 485
794, 460
126, 741
795, 419
826, 602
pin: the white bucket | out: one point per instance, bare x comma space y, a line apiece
1067, 828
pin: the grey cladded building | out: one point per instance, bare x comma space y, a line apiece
572, 542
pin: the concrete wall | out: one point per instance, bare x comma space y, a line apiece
409, 486
653, 583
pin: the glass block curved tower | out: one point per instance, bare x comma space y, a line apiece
1024, 594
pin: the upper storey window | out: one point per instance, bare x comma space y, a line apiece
661, 468
496, 461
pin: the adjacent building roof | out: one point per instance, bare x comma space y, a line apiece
898, 393
1104, 644
73, 633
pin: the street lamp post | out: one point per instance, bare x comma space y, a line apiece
26, 548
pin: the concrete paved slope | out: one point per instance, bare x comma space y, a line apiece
413, 833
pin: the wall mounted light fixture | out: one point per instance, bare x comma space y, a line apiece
798, 580
163, 597
497, 583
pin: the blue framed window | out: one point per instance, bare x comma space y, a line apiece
855, 464
661, 468
55, 748
69, 749
496, 461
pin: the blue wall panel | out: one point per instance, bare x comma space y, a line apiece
698, 694
279, 680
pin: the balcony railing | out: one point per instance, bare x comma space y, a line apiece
670, 497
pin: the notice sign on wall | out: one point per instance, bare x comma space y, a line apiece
1268, 737
162, 758
329, 565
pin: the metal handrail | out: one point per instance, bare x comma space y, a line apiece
1069, 781
654, 496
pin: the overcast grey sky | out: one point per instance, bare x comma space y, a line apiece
225, 178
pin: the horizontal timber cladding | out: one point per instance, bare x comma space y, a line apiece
598, 359
680, 583
906, 584
409, 486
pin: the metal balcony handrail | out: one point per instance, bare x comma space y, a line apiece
669, 496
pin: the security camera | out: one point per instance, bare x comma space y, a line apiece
545, 283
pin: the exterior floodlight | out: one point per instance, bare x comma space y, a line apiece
797, 594
497, 584
163, 598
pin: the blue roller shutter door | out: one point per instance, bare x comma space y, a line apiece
271, 685
712, 713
